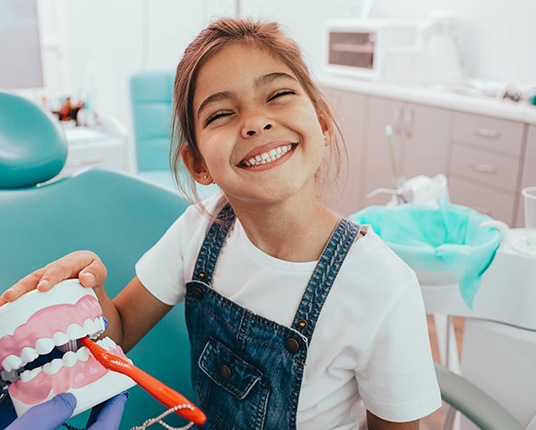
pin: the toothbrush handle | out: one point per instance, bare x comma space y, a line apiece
161, 392
164, 394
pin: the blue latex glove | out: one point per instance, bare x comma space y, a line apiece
107, 415
52, 414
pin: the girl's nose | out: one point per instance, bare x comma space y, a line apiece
254, 125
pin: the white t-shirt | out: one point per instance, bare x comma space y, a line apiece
370, 347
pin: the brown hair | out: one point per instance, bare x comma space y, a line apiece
219, 34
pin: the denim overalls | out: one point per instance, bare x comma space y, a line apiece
247, 370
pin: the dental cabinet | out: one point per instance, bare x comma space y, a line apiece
485, 148
529, 168
414, 127
105, 146
349, 109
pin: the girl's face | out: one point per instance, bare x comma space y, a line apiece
256, 128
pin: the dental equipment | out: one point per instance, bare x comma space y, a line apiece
499, 338
39, 354
36, 362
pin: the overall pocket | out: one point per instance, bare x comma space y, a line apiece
232, 391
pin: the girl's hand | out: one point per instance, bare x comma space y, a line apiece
84, 265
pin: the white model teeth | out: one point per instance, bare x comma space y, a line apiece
28, 354
75, 332
53, 367
91, 326
69, 359
11, 362
82, 354
268, 157
64, 341
28, 375
60, 338
107, 343
44, 346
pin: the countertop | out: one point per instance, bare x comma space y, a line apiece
438, 97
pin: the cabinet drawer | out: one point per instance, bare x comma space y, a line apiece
496, 204
490, 168
108, 153
493, 133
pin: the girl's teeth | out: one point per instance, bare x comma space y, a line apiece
268, 157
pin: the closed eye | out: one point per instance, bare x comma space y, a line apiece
216, 116
281, 93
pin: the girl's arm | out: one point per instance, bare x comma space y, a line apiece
376, 423
133, 313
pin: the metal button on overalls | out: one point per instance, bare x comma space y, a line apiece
292, 345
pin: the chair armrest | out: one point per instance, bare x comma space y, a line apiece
474, 403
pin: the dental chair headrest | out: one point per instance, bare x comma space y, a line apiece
33, 148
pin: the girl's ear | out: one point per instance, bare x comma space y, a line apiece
326, 130
195, 166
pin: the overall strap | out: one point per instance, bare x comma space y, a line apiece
324, 276
214, 240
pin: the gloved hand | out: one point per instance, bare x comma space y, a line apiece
52, 414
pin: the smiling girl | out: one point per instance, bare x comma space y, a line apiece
297, 318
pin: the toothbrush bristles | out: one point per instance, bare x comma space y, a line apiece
72, 345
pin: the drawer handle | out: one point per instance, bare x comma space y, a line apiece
484, 168
397, 118
408, 123
488, 133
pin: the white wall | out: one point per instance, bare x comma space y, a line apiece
117, 37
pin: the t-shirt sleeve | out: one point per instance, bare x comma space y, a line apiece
397, 379
168, 265
160, 268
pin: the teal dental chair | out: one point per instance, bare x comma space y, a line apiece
116, 215
119, 216
151, 95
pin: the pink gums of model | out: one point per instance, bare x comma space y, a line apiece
39, 321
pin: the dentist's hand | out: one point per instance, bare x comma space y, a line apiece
84, 265
52, 414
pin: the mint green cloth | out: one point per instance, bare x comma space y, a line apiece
447, 238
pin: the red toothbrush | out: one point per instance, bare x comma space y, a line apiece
161, 392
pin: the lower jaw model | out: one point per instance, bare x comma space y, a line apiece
38, 340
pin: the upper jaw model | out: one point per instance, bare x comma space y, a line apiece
42, 326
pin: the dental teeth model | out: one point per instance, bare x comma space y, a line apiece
39, 355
